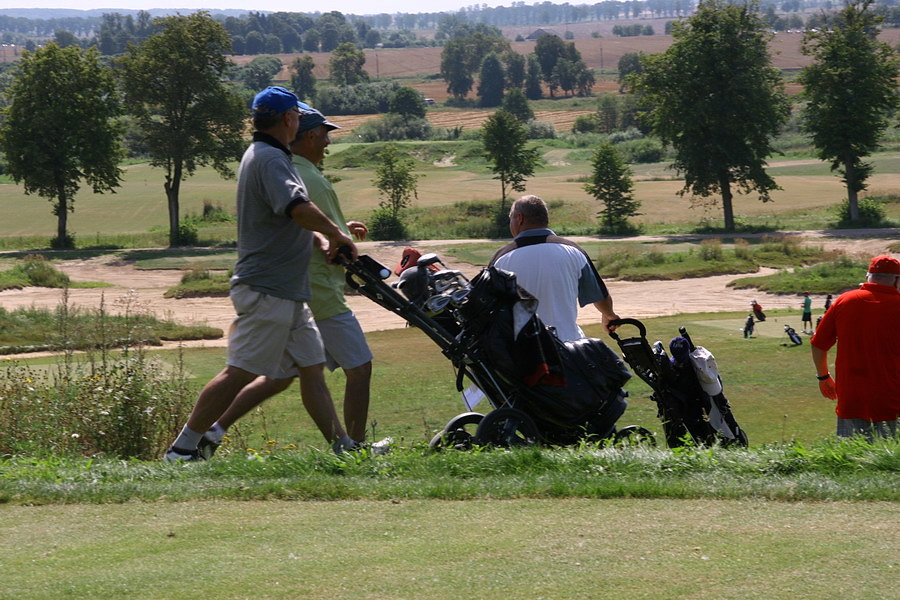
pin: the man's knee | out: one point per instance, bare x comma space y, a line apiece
362, 372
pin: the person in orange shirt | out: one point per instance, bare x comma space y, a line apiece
866, 325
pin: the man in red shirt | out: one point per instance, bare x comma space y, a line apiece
866, 322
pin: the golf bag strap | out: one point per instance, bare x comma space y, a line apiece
532, 240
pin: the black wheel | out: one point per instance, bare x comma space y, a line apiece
634, 435
455, 435
506, 427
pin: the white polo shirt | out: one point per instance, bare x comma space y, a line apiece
560, 276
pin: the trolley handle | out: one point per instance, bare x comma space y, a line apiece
635, 322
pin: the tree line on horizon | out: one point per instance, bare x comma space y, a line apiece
259, 32
712, 96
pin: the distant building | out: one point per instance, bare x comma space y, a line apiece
537, 33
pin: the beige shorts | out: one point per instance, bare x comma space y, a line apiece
272, 336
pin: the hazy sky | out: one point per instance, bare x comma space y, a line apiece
358, 7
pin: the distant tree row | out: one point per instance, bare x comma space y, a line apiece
483, 50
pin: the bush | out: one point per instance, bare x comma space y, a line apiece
359, 99
384, 226
711, 250
586, 124
540, 130
39, 271
187, 233
871, 214
126, 408
641, 151
66, 243
393, 127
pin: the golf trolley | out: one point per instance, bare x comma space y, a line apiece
540, 389
687, 388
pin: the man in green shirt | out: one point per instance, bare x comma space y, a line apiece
807, 313
343, 338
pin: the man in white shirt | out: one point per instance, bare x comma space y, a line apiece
556, 271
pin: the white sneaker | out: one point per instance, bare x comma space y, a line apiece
381, 446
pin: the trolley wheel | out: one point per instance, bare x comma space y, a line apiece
506, 427
455, 435
634, 435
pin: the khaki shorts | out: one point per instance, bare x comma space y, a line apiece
345, 342
272, 336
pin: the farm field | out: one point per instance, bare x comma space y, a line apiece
601, 54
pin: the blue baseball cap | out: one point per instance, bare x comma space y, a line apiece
310, 118
274, 100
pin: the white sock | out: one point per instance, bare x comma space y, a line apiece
187, 439
216, 433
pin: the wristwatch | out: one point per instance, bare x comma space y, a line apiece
823, 377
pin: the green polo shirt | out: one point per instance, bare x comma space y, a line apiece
326, 280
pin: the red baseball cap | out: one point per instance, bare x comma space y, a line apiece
885, 264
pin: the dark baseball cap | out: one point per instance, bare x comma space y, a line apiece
310, 118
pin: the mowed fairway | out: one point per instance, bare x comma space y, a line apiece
140, 205
479, 549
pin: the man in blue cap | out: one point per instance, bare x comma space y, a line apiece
345, 343
274, 332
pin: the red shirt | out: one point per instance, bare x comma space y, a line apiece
866, 323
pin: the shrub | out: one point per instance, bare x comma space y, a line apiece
642, 151
540, 130
126, 408
586, 124
359, 99
38, 271
187, 232
871, 214
742, 249
711, 249
386, 226
393, 127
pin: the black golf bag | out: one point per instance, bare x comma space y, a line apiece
686, 389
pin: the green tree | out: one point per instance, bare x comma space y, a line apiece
608, 113
628, 64
346, 65
454, 68
549, 49
715, 98
491, 81
55, 140
260, 72
397, 186
463, 55
505, 142
851, 89
303, 82
515, 102
174, 86
516, 65
611, 184
533, 90
395, 180
408, 102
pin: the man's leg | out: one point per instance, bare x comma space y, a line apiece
255, 393
317, 400
214, 399
356, 400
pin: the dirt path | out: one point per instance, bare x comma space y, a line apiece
143, 289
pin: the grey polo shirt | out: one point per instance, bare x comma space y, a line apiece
273, 251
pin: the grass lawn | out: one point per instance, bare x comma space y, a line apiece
136, 216
486, 549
